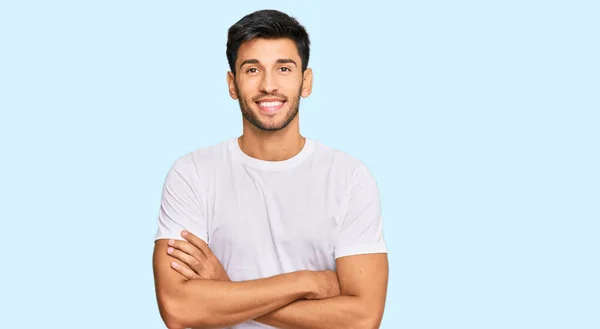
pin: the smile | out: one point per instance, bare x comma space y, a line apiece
270, 106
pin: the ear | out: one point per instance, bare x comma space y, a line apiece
307, 81
231, 85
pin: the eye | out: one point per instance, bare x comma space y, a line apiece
252, 70
285, 69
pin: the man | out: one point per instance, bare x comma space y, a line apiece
270, 229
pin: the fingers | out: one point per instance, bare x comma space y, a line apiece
187, 248
185, 271
194, 263
198, 243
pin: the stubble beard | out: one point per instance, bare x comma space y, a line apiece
252, 117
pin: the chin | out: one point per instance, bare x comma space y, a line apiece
269, 122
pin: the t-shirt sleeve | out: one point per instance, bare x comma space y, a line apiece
362, 228
181, 205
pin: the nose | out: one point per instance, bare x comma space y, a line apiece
268, 84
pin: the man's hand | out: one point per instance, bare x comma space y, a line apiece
195, 253
201, 263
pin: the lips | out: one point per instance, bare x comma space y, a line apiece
270, 106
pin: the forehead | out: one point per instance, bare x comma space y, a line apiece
268, 50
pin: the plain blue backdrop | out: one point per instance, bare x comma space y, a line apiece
479, 120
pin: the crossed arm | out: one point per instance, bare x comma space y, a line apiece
363, 283
281, 301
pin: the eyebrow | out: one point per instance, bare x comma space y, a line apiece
279, 61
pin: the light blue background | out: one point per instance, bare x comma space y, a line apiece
479, 119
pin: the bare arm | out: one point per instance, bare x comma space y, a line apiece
216, 304
363, 282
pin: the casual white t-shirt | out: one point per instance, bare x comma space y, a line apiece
263, 218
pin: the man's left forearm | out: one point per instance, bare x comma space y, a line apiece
347, 312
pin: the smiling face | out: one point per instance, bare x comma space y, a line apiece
269, 83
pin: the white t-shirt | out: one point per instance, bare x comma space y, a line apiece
263, 218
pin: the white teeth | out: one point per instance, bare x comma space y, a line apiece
270, 104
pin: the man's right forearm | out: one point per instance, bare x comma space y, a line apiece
218, 304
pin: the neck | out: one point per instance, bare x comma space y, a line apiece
271, 145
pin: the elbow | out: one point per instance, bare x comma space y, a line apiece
174, 326
368, 323
374, 323
172, 322
171, 315
370, 320
175, 316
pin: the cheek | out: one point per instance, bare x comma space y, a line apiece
248, 89
292, 86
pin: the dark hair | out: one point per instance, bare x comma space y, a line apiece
269, 24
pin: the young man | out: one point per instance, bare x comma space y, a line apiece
271, 229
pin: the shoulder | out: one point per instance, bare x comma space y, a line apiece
202, 159
341, 161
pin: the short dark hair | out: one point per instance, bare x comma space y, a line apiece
268, 24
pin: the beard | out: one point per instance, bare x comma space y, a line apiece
269, 125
